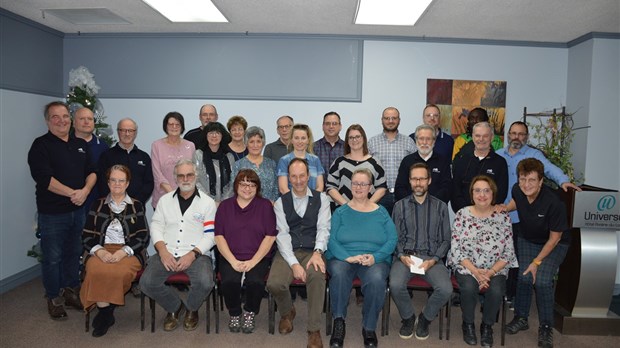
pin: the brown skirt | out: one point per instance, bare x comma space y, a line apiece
108, 282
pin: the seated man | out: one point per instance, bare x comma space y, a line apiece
303, 217
182, 233
423, 228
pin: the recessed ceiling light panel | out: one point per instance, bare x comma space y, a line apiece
390, 12
87, 16
188, 10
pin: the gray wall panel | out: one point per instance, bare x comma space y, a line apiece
220, 67
31, 57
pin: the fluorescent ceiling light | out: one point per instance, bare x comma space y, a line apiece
390, 12
188, 10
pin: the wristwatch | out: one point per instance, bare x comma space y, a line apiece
197, 253
318, 251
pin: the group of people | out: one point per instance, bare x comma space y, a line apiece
329, 211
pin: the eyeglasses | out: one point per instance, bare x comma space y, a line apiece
245, 184
418, 179
331, 124
424, 139
355, 137
432, 115
174, 125
528, 181
393, 118
214, 133
208, 114
485, 191
117, 181
514, 134
360, 184
188, 176
285, 126
126, 131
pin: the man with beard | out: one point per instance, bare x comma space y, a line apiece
444, 144
439, 166
182, 233
390, 147
478, 161
518, 150
423, 227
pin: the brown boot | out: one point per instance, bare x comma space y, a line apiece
286, 322
314, 339
72, 297
56, 308
172, 319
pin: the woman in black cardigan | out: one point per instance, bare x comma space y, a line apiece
115, 238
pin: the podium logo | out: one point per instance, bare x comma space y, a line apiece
606, 203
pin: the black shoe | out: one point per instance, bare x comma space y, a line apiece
545, 336
406, 330
56, 308
103, 320
72, 297
469, 334
486, 335
421, 330
370, 339
517, 324
337, 340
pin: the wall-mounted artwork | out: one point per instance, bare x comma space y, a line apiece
457, 97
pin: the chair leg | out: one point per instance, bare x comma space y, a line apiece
448, 317
208, 311
87, 320
216, 309
328, 312
385, 314
271, 314
503, 324
142, 319
152, 305
441, 324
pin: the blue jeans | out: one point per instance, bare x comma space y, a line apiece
374, 283
545, 297
437, 276
61, 245
200, 274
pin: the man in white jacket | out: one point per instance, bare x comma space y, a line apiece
182, 233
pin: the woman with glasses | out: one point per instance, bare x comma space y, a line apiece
166, 152
244, 233
481, 252
214, 163
302, 143
237, 147
265, 167
355, 157
361, 243
115, 238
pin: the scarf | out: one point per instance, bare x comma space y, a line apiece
208, 157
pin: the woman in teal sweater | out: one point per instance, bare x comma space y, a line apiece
361, 243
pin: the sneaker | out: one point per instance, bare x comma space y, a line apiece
337, 340
421, 331
249, 322
486, 335
545, 336
234, 324
517, 324
469, 334
406, 330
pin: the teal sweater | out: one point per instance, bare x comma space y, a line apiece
354, 233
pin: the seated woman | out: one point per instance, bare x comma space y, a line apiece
363, 238
214, 163
481, 251
356, 156
263, 166
244, 234
542, 246
115, 237
302, 143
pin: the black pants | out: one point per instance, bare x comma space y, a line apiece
254, 286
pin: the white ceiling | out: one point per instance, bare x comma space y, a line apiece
557, 21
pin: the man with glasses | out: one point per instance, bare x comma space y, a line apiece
439, 165
431, 115
182, 233
279, 148
330, 146
126, 152
390, 147
423, 227
207, 113
61, 167
517, 150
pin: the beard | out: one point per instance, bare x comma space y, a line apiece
187, 187
425, 151
419, 191
516, 144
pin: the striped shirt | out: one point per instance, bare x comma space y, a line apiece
340, 174
390, 153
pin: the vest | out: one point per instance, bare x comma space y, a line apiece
302, 229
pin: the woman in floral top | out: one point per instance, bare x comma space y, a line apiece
481, 251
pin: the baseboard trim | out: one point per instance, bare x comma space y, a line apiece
10, 283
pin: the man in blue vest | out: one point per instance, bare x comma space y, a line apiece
303, 220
